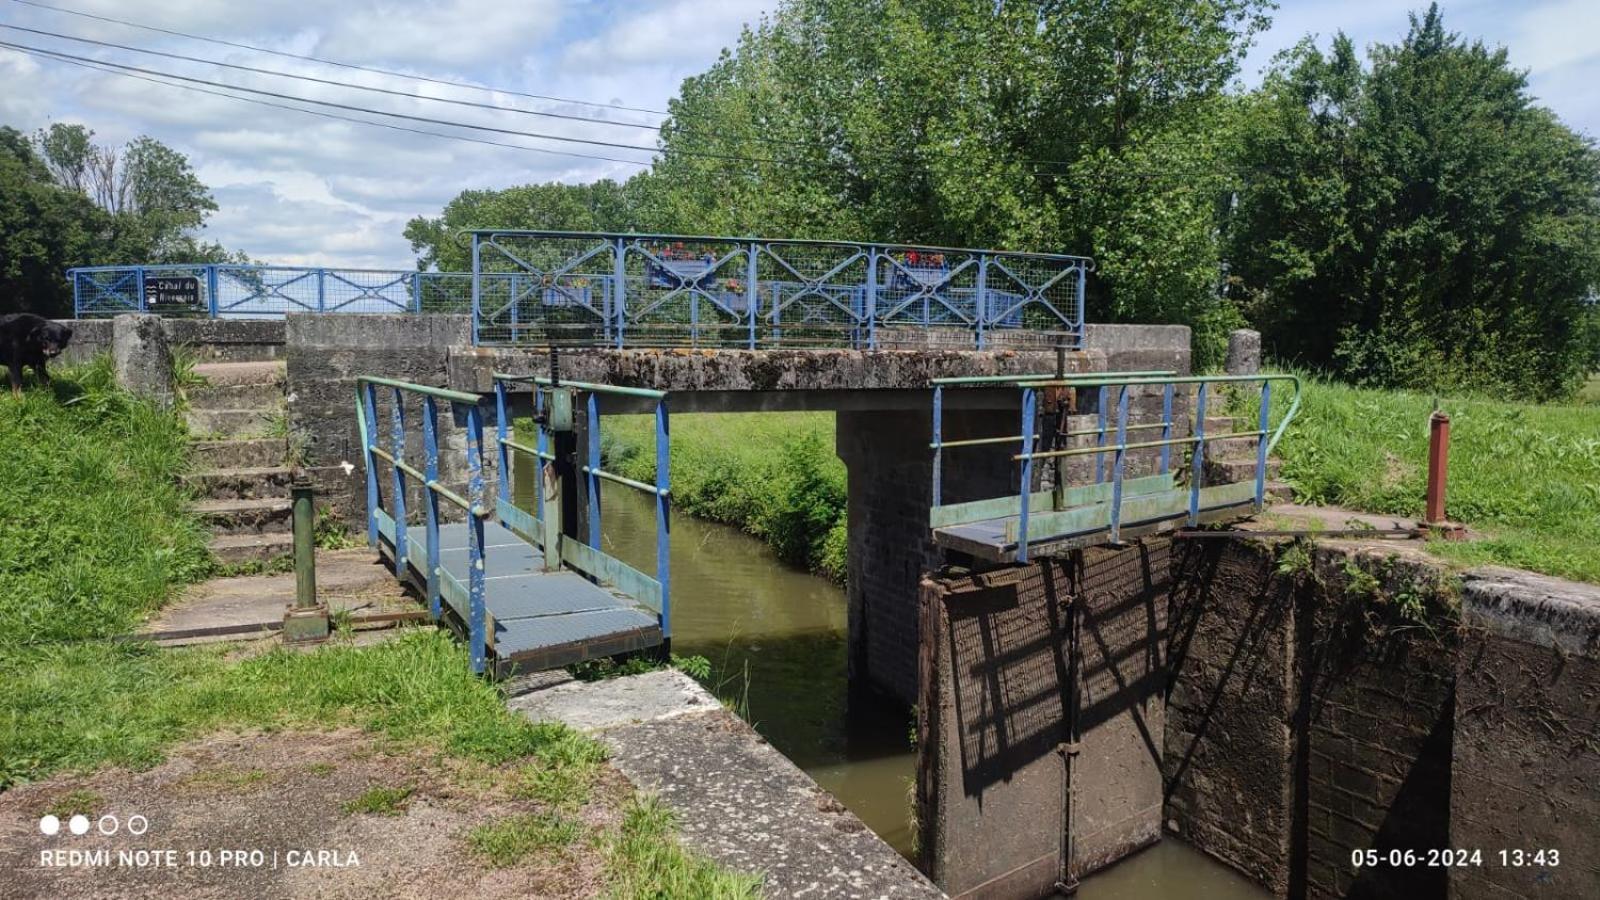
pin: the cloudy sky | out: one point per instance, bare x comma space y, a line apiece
299, 189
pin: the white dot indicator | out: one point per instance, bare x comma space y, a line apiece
138, 824
50, 825
112, 828
78, 824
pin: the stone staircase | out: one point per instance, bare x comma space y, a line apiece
1230, 460
240, 459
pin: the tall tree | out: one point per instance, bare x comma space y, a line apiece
44, 229
1418, 222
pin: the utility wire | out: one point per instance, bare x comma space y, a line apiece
378, 112
327, 115
334, 62
328, 81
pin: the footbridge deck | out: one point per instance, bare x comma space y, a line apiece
525, 592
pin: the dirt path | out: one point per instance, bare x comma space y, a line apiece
264, 806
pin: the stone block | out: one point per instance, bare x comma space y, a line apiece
142, 358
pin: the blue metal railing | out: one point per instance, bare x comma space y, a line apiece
637, 290
539, 287
1098, 511
224, 291
540, 525
393, 522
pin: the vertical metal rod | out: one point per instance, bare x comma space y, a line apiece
138, 274
211, 290
305, 543
1438, 467
979, 306
619, 277
1078, 326
664, 515
477, 285
1263, 415
322, 290
872, 299
593, 475
1029, 410
542, 444
477, 624
397, 446
367, 417
430, 456
1100, 458
752, 296
1118, 464
502, 428
416, 292
1197, 460
938, 444
1166, 428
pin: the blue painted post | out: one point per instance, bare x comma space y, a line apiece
1261, 443
619, 277
1166, 427
979, 305
872, 299
430, 452
1100, 458
211, 290
477, 626
541, 442
1029, 408
416, 292
322, 290
477, 287
938, 443
138, 275
77, 293
1083, 283
397, 446
664, 516
369, 439
751, 294
1119, 462
594, 470
1197, 460
502, 430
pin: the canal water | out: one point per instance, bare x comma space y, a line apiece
775, 637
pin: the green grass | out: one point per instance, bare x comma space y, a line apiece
1527, 476
516, 839
1589, 394
96, 533
380, 801
774, 475
647, 862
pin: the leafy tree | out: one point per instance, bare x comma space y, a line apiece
44, 230
1419, 221
602, 206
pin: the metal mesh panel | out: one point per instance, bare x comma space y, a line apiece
541, 289
685, 293
811, 294
271, 291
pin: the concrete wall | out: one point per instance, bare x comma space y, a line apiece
1527, 735
1005, 775
220, 340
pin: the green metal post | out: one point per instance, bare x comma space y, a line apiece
307, 619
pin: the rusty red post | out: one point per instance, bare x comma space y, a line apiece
1438, 471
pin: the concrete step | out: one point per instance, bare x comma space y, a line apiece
1221, 424
243, 483
239, 453
236, 549
235, 396
1229, 469
1280, 491
232, 423
245, 516
220, 374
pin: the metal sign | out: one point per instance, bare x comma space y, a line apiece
172, 290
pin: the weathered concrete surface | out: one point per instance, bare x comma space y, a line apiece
1527, 735
1130, 348
142, 359
1244, 352
735, 798
1017, 663
222, 340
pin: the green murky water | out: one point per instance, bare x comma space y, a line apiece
775, 637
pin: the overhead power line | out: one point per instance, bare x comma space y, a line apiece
333, 62
594, 142
46, 54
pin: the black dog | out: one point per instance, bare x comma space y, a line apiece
30, 340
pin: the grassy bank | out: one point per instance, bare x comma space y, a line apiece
1526, 476
773, 475
97, 534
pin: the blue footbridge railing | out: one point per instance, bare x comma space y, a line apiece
1094, 461
523, 591
654, 290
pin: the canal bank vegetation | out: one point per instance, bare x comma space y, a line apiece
98, 535
774, 475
